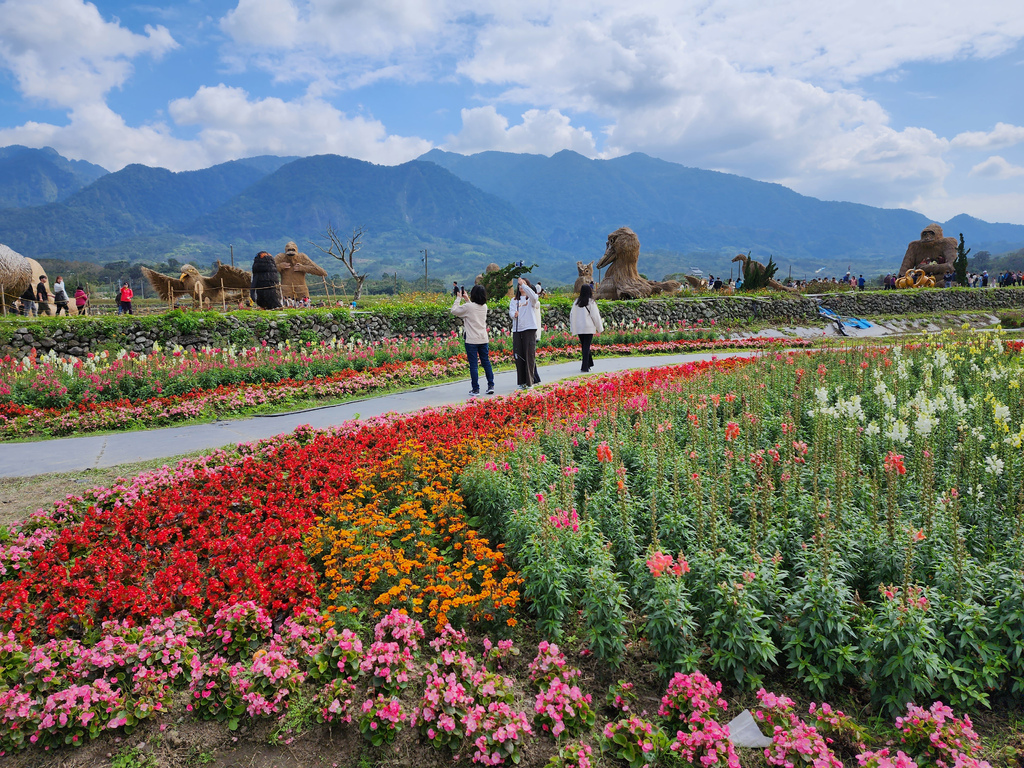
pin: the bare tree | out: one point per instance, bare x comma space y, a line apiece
344, 251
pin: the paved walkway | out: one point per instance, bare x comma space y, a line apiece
74, 454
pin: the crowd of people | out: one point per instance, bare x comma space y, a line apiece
527, 326
981, 279
34, 302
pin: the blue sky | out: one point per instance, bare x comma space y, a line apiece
913, 104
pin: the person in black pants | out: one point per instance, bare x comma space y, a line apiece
42, 296
585, 321
524, 333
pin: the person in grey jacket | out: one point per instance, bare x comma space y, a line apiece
474, 321
585, 321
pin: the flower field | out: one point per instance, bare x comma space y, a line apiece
844, 518
843, 523
54, 396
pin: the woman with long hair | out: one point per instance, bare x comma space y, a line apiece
474, 320
524, 311
585, 321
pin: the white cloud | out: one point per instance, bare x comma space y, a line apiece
663, 96
1004, 208
997, 167
99, 135
1003, 135
341, 44
541, 132
232, 125
62, 53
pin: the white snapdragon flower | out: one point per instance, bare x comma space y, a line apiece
851, 408
1001, 412
994, 465
872, 429
898, 432
889, 400
821, 395
880, 388
925, 424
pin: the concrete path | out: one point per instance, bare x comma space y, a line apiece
74, 454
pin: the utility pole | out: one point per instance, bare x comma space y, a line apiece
232, 254
426, 277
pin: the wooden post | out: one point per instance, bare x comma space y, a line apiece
3, 301
223, 298
327, 291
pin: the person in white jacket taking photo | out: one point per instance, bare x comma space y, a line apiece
524, 309
585, 321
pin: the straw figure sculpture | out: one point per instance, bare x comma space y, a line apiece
933, 253
696, 283
622, 280
227, 284
294, 266
586, 275
16, 273
754, 274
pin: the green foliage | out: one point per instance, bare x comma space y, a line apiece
133, 757
671, 628
756, 275
820, 639
960, 265
497, 283
902, 663
741, 644
604, 608
635, 742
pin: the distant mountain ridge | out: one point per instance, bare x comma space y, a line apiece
39, 176
466, 211
571, 200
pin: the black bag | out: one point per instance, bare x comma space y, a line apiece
60, 297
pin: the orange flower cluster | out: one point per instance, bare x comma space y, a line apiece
398, 539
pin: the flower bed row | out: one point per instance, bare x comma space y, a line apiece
101, 407
457, 695
223, 529
741, 519
48, 381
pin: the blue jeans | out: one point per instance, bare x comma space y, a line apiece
473, 351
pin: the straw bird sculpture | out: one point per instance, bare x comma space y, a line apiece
227, 283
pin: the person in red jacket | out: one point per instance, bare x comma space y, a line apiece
125, 298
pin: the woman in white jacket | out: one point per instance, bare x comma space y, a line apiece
524, 309
585, 322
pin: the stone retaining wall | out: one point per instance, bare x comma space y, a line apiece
79, 336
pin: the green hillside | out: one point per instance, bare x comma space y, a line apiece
40, 176
404, 209
465, 212
685, 214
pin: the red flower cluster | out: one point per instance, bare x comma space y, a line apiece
230, 527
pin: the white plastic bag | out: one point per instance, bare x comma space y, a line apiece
744, 731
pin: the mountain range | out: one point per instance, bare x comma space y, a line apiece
463, 211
